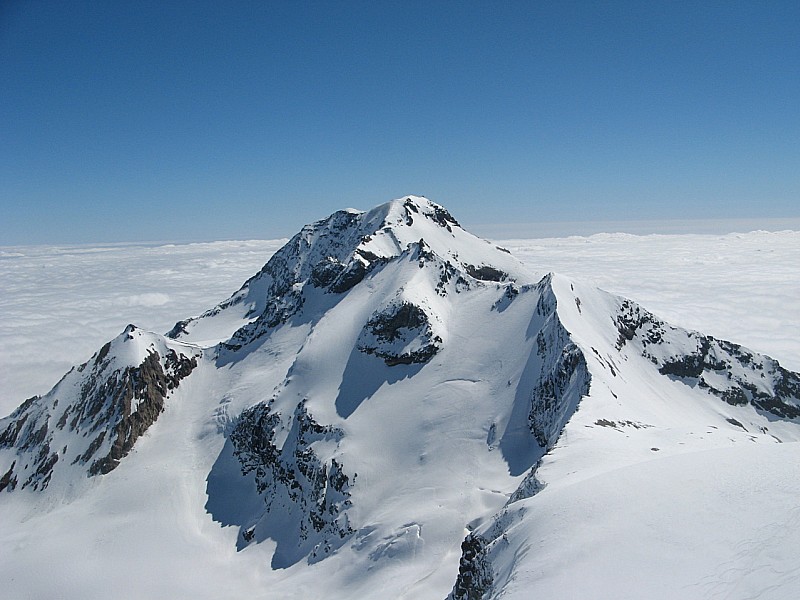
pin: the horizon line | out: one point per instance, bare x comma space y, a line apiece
519, 231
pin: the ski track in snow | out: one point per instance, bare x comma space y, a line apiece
59, 304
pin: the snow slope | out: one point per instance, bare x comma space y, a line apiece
718, 523
637, 425
386, 384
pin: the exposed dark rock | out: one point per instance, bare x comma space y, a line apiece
450, 274
9, 480
93, 447
101, 355
557, 394
546, 304
724, 369
178, 329
114, 406
253, 439
444, 218
422, 252
400, 334
736, 423
475, 577
352, 276
149, 383
9, 436
486, 273
509, 294
273, 291
293, 480
325, 272
631, 318
529, 487
747, 387
40, 478
734, 396
337, 277
687, 366
34, 438
422, 355
370, 257
410, 206
386, 326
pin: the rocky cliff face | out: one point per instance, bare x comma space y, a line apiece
401, 333
94, 416
564, 377
305, 497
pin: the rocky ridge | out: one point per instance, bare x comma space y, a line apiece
94, 415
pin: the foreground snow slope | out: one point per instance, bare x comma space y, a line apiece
719, 523
384, 386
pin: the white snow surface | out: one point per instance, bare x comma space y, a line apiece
653, 489
718, 523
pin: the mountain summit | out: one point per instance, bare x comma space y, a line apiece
335, 254
382, 410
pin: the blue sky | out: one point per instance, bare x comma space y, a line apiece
131, 121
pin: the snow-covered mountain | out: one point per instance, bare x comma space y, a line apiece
391, 407
96, 412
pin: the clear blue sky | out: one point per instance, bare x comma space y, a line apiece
210, 120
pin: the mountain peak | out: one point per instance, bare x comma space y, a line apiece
404, 210
336, 253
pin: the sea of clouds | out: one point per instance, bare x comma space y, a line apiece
60, 304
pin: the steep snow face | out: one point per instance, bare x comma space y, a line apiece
94, 415
334, 255
657, 393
